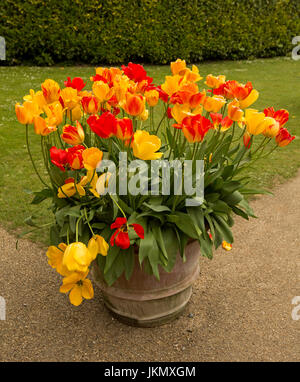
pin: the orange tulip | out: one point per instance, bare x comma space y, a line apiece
90, 105
214, 82
51, 90
41, 127
152, 97
214, 104
73, 135
91, 158
178, 67
22, 114
234, 111
134, 104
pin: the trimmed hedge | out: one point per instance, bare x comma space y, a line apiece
45, 32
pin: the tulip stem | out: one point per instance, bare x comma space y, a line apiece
77, 223
32, 161
88, 222
116, 203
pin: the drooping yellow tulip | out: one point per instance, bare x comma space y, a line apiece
100, 243
55, 258
79, 287
69, 189
145, 146
77, 256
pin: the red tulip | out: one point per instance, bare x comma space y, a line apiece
105, 126
120, 236
77, 83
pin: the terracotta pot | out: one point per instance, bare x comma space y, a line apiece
145, 301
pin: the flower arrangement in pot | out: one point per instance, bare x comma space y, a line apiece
143, 178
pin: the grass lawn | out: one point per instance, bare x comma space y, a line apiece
276, 79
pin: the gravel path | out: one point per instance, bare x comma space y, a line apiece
240, 308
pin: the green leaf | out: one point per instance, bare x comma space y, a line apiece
149, 249
157, 208
233, 198
128, 258
171, 245
42, 195
111, 257
160, 241
223, 228
185, 223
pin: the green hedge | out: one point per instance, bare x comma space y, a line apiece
156, 31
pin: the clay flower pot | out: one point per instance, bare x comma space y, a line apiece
144, 300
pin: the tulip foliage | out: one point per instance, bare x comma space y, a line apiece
124, 112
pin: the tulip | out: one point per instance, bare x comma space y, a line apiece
90, 105
272, 129
104, 126
100, 243
192, 75
195, 128
41, 127
152, 97
218, 120
196, 99
77, 83
256, 123
51, 90
55, 258
22, 114
77, 256
234, 111
281, 116
102, 91
120, 236
102, 183
134, 104
214, 104
70, 189
145, 146
179, 112
91, 158
171, 84
249, 100
79, 287
73, 135
136, 73
284, 138
90, 180
59, 157
74, 114
55, 113
178, 67
214, 82
247, 140
70, 98
36, 97
124, 129
75, 159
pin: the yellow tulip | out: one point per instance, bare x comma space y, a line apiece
22, 114
74, 114
214, 82
36, 97
272, 128
192, 75
178, 67
70, 98
77, 256
55, 113
234, 111
179, 112
55, 258
214, 104
256, 123
91, 179
171, 84
145, 146
100, 243
51, 90
102, 91
152, 97
248, 101
41, 127
70, 189
102, 183
79, 287
91, 157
